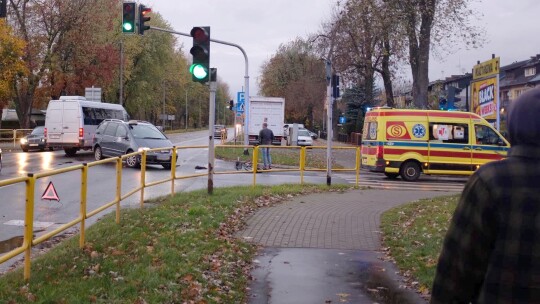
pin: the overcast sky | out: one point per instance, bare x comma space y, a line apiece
260, 26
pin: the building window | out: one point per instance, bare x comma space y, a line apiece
530, 71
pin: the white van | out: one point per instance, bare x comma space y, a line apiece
71, 122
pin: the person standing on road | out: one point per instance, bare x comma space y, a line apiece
491, 252
266, 137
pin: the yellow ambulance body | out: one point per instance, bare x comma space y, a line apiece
402, 142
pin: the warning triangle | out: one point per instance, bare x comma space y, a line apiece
50, 193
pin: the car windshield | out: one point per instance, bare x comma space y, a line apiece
303, 133
146, 132
38, 131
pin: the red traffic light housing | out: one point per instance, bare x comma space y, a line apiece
143, 18
200, 69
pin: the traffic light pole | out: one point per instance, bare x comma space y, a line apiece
246, 78
329, 132
211, 149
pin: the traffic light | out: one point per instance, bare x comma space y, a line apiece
231, 104
451, 97
128, 17
335, 86
3, 8
201, 54
443, 103
143, 18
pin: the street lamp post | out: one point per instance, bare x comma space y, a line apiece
163, 111
186, 111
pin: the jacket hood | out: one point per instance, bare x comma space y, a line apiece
524, 119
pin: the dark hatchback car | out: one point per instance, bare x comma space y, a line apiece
116, 137
35, 140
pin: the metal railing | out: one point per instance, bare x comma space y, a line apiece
30, 186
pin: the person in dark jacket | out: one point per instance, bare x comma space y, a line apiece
266, 137
491, 252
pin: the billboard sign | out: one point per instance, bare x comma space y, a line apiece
485, 97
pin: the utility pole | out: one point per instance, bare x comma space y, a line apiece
163, 111
329, 133
186, 111
121, 93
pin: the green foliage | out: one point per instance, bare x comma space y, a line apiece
357, 100
11, 65
296, 73
413, 236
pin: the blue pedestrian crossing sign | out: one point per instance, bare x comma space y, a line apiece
241, 101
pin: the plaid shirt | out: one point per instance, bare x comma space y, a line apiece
491, 252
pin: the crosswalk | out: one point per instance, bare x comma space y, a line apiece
378, 181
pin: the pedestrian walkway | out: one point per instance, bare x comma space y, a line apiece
325, 246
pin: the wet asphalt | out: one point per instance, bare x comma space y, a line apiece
325, 248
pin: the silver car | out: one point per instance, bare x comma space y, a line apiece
116, 137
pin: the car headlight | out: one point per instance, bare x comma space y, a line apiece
24, 141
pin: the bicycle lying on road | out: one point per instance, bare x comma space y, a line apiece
246, 165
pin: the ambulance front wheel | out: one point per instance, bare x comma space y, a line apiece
410, 171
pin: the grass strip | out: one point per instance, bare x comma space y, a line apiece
180, 250
413, 236
315, 158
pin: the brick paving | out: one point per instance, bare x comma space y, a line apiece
347, 220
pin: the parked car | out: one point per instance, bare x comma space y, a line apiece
304, 138
115, 137
313, 134
218, 130
35, 140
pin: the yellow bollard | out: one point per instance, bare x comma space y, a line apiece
173, 169
357, 166
302, 163
84, 191
254, 164
118, 187
143, 176
29, 224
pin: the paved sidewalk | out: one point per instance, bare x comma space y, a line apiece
326, 246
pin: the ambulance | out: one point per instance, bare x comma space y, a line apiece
406, 143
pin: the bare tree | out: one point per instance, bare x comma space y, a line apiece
428, 23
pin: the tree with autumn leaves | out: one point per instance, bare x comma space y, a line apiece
70, 45
11, 65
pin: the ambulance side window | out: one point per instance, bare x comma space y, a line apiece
449, 132
370, 130
486, 136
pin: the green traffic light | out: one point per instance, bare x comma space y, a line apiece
128, 26
199, 71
